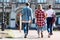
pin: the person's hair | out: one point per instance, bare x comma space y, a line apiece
27, 4
50, 6
39, 5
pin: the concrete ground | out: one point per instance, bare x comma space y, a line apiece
17, 35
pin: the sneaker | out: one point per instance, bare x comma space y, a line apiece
38, 36
48, 36
41, 35
51, 33
25, 36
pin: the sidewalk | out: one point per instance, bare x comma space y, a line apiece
16, 35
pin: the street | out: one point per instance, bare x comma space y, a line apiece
17, 35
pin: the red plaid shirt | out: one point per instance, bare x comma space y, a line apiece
40, 17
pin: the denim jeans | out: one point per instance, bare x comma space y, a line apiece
49, 25
39, 29
25, 25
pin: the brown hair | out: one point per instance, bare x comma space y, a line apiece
27, 4
50, 6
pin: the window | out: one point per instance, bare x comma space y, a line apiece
23, 1
6, 0
41, 1
57, 1
1, 0
13, 0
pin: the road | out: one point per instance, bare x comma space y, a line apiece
17, 35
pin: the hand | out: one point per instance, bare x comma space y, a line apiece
46, 15
20, 14
24, 21
30, 21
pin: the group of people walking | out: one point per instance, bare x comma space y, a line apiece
41, 16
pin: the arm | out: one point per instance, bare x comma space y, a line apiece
30, 16
22, 12
54, 17
45, 15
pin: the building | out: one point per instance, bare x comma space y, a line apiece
11, 5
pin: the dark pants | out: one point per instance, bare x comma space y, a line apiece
3, 27
49, 25
25, 27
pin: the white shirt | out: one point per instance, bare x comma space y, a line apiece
50, 12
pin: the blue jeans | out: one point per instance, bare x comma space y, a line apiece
49, 25
25, 25
39, 29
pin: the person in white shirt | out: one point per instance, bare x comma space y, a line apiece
50, 16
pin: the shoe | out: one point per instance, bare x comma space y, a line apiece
25, 36
48, 36
38, 36
51, 33
41, 35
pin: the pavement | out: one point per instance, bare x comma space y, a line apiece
17, 35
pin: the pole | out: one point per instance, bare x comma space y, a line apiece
20, 22
3, 25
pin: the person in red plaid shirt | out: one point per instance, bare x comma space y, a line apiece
40, 19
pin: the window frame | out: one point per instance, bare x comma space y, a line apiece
42, 2
57, 1
1, 0
22, 1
